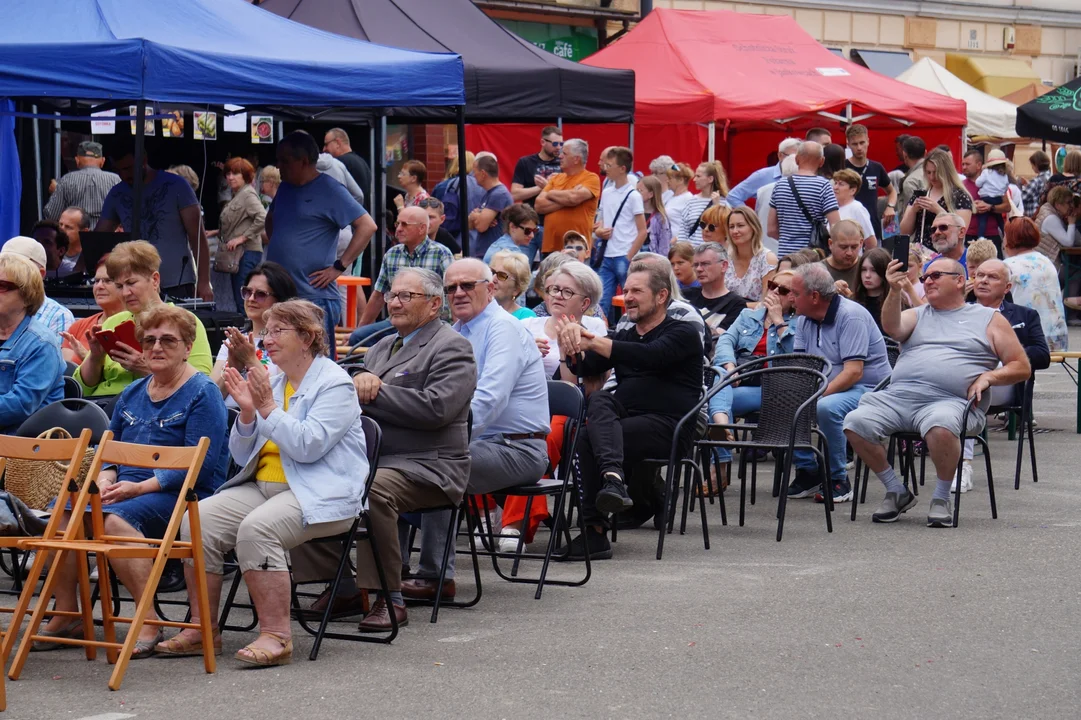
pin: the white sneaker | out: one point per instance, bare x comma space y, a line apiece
966, 478
509, 544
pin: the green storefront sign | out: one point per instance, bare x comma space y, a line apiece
572, 43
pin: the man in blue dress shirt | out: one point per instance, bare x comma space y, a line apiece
508, 444
740, 194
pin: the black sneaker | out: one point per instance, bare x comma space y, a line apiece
596, 542
842, 493
804, 485
613, 497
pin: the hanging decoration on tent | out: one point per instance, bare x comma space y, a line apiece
262, 130
206, 126
235, 121
133, 111
173, 127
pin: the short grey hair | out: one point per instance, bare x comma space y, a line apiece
486, 272
577, 147
585, 277
658, 259
811, 149
661, 165
816, 278
788, 145
713, 247
430, 281
955, 219
789, 166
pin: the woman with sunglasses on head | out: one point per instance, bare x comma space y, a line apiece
173, 406
519, 227
750, 265
510, 278
268, 283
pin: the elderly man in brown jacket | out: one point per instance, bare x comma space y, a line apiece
417, 385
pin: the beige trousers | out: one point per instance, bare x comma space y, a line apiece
261, 521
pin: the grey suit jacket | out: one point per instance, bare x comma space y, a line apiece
423, 405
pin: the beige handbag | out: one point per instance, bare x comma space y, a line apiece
37, 482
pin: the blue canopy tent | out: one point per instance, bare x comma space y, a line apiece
204, 51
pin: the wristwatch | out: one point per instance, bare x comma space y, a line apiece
338, 266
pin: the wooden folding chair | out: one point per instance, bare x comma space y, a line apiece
34, 449
106, 547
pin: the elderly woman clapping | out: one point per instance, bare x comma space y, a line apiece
300, 441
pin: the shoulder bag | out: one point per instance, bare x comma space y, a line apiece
820, 232
596, 258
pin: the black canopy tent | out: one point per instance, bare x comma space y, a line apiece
1055, 116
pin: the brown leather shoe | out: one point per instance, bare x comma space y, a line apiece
424, 589
378, 620
343, 605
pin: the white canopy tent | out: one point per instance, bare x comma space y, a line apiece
988, 116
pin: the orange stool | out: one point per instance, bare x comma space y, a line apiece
351, 283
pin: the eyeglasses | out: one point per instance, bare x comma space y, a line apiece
531, 231
276, 333
100, 281
943, 228
703, 225
6, 287
781, 289
467, 287
168, 342
260, 295
404, 296
403, 223
937, 275
575, 248
502, 276
560, 292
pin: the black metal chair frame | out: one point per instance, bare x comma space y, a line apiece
908, 464
565, 399
457, 514
804, 413
1025, 426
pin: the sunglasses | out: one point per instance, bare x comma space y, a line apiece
703, 225
260, 295
942, 228
781, 289
575, 248
530, 231
168, 342
503, 276
555, 144
937, 275
6, 287
465, 286
403, 223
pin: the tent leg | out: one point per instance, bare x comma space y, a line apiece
140, 155
559, 124
37, 158
370, 196
379, 199
463, 186
712, 141
630, 136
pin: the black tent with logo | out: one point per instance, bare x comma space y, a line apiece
1055, 116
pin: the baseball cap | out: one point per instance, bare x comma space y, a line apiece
28, 248
89, 148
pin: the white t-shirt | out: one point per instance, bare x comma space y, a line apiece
625, 230
535, 325
761, 206
674, 209
665, 197
857, 213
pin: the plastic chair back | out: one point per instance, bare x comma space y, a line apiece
782, 395
72, 389
73, 415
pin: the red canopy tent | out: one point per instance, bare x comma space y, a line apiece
758, 77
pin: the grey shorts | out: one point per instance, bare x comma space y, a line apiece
880, 414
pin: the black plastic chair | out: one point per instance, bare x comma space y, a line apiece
791, 386
71, 414
1022, 409
565, 399
70, 368
908, 464
72, 389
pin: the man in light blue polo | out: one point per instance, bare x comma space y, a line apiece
740, 194
845, 334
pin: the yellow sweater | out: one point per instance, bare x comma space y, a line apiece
270, 460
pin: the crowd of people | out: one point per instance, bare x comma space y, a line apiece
629, 288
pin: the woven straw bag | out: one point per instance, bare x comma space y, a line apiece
37, 482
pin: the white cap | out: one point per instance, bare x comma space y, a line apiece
28, 248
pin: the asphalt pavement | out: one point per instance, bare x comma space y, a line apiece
871, 621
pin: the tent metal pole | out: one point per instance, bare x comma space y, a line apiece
630, 136
712, 141
56, 147
380, 179
37, 158
463, 186
559, 124
137, 184
370, 196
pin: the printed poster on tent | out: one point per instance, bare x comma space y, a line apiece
262, 130
206, 126
173, 127
133, 111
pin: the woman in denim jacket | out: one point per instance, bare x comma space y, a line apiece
768, 324
175, 405
300, 441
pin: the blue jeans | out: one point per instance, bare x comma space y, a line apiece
535, 245
248, 261
332, 315
613, 274
734, 402
831, 418
362, 332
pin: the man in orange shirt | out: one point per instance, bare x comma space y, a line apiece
569, 200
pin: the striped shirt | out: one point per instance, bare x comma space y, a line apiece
54, 316
817, 196
688, 228
84, 188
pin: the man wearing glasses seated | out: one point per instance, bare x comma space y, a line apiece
414, 249
508, 443
950, 353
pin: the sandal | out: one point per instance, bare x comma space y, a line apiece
180, 645
264, 658
145, 648
713, 490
